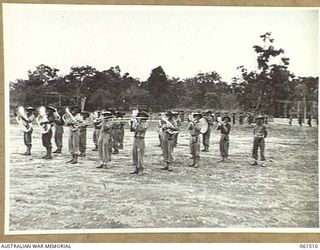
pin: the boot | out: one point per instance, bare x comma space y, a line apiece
57, 151
166, 167
116, 151
140, 171
75, 159
96, 148
82, 154
71, 159
196, 162
49, 153
255, 163
192, 165
28, 152
45, 157
136, 171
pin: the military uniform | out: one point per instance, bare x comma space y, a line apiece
46, 137
169, 132
27, 136
96, 134
260, 132
138, 149
116, 136
224, 139
58, 134
105, 140
194, 143
178, 121
83, 135
207, 134
73, 140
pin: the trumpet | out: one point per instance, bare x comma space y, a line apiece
21, 118
42, 120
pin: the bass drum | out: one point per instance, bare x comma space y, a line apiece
204, 125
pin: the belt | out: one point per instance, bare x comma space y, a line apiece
139, 137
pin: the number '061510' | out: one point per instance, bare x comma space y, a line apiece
309, 245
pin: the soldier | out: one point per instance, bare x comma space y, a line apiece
58, 133
178, 121
260, 132
310, 120
194, 143
105, 139
83, 134
139, 128
96, 129
207, 134
233, 118
241, 118
46, 137
300, 120
224, 126
74, 134
122, 124
290, 120
160, 131
169, 128
27, 135
116, 133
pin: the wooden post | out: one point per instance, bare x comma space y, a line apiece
304, 109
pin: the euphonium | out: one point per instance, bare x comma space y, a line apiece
21, 118
68, 119
42, 120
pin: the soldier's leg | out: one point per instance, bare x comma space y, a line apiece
70, 146
255, 151
121, 138
226, 146
141, 157
75, 143
221, 146
197, 154
262, 148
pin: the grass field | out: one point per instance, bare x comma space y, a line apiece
51, 194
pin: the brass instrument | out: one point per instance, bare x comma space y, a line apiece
21, 118
42, 120
56, 114
169, 126
70, 120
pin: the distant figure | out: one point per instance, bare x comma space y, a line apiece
290, 120
194, 143
310, 120
225, 128
260, 132
233, 118
241, 119
266, 119
206, 136
300, 120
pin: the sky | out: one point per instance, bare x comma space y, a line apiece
183, 40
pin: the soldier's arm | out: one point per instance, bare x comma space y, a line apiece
265, 131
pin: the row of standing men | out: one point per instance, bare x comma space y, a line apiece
108, 136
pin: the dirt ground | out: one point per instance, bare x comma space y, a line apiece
51, 194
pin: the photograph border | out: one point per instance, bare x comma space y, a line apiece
168, 236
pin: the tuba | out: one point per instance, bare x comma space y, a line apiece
42, 120
21, 118
70, 120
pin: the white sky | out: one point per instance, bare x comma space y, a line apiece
183, 40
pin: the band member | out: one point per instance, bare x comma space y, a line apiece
105, 140
300, 120
178, 121
139, 129
290, 120
96, 130
27, 123
170, 128
160, 131
224, 126
83, 135
74, 134
241, 118
233, 118
207, 134
194, 129
116, 133
310, 120
122, 124
260, 132
46, 137
58, 134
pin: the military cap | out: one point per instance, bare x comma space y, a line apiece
30, 108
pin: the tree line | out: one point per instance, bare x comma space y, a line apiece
270, 88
